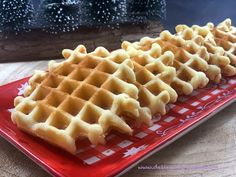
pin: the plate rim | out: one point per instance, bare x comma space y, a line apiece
169, 139
177, 136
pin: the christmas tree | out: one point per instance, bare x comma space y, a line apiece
16, 15
141, 11
59, 15
104, 12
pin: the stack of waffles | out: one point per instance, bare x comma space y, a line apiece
89, 94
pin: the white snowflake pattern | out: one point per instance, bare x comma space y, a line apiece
134, 150
21, 90
232, 81
10, 110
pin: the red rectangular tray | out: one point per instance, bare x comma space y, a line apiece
121, 152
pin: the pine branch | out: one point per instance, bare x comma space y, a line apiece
59, 15
16, 15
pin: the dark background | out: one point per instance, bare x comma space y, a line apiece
199, 12
36, 3
194, 11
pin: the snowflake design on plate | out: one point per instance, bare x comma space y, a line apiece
22, 88
232, 81
10, 110
134, 150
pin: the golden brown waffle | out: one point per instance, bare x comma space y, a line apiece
153, 77
217, 43
225, 36
85, 96
89, 94
189, 64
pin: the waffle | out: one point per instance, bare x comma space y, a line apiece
85, 96
189, 64
153, 77
217, 42
225, 36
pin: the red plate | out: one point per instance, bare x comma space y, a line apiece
121, 152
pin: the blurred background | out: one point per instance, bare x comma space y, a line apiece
194, 12
198, 12
40, 29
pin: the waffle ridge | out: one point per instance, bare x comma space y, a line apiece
218, 43
153, 77
225, 36
189, 67
85, 96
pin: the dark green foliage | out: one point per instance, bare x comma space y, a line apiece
67, 15
104, 12
16, 15
59, 15
143, 10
